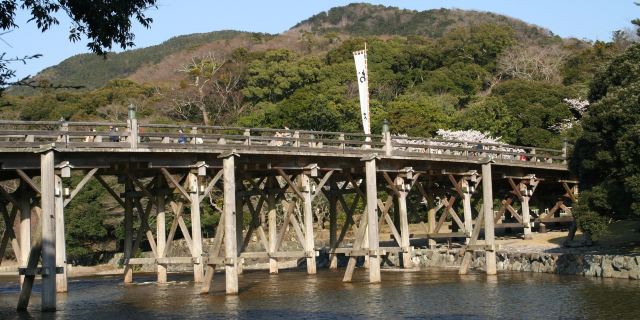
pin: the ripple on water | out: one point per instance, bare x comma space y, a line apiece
441, 294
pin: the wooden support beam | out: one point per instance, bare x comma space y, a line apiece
113, 194
128, 230
466, 260
404, 224
239, 226
196, 229
322, 183
80, 185
170, 178
28, 180
25, 226
272, 224
230, 245
212, 184
48, 224
333, 225
487, 205
32, 263
466, 206
61, 251
9, 235
372, 218
292, 185
357, 245
309, 245
161, 225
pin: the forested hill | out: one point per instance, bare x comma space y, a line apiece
371, 20
93, 71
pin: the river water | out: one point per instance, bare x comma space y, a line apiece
436, 294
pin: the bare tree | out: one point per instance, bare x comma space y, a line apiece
210, 88
200, 73
531, 62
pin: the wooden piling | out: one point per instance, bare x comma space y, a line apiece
526, 215
372, 218
239, 228
128, 230
48, 223
230, 244
309, 244
273, 228
161, 227
404, 223
25, 225
333, 226
466, 207
196, 229
487, 203
61, 252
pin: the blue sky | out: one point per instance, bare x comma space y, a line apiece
584, 19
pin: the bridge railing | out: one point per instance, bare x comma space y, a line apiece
404, 145
25, 134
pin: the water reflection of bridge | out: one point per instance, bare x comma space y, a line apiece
267, 176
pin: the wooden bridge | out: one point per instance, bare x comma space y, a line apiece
168, 170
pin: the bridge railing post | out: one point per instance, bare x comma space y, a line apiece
533, 157
386, 138
564, 151
132, 127
64, 127
247, 133
296, 137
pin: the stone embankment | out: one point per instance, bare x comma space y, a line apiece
591, 265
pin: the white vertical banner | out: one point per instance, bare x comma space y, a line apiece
360, 58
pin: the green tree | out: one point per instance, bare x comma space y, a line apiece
535, 107
278, 75
418, 115
85, 222
606, 155
489, 115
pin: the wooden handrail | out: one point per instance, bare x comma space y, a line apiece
22, 134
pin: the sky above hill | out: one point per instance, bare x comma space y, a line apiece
583, 19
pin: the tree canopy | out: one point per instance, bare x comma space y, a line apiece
606, 155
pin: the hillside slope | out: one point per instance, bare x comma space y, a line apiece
156, 64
